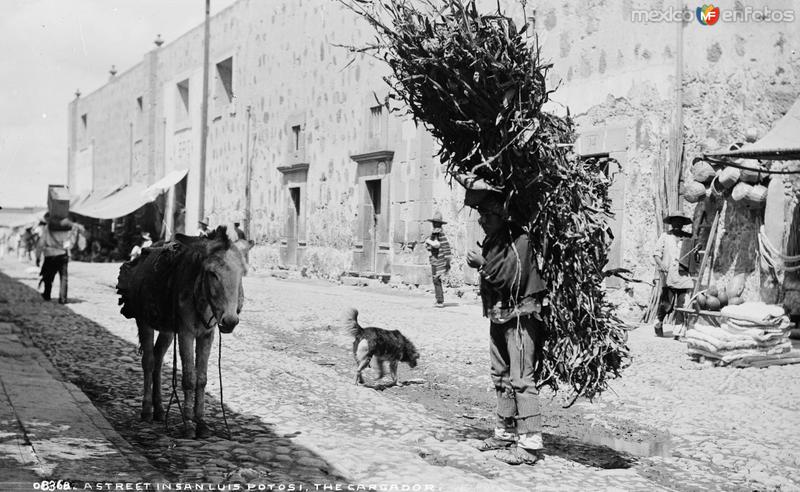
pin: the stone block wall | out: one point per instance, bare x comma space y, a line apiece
111, 126
300, 102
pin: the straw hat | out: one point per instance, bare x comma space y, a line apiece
678, 216
437, 218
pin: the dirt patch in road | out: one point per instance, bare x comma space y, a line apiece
567, 432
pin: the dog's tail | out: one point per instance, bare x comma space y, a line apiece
351, 322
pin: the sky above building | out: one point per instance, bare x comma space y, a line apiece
51, 48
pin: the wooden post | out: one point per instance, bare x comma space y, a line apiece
249, 176
712, 236
204, 116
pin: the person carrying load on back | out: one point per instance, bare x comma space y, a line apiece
513, 295
55, 243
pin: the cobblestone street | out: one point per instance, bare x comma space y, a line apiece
296, 416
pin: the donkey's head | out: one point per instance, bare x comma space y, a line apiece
221, 267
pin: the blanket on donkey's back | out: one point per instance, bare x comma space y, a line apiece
146, 286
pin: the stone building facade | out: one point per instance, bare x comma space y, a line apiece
303, 148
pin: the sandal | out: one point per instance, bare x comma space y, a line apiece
518, 456
492, 443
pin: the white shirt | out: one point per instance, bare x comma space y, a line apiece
668, 249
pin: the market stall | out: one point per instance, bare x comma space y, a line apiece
722, 324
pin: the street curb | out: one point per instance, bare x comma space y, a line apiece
83, 403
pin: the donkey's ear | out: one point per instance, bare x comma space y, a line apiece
243, 245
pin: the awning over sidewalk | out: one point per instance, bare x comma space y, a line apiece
13, 219
165, 183
781, 143
125, 200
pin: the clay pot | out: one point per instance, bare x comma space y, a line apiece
693, 191
757, 194
712, 291
703, 172
728, 177
713, 303
751, 176
702, 301
740, 191
723, 297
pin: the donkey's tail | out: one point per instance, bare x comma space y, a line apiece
351, 322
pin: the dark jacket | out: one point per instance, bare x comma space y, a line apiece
510, 281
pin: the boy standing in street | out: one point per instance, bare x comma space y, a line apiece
513, 293
440, 256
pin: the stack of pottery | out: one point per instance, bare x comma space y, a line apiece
744, 185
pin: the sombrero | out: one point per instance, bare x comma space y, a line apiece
437, 217
678, 216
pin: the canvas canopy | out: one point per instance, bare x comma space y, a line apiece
781, 143
125, 200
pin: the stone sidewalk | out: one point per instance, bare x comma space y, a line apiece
49, 429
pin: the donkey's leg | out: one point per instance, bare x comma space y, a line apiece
163, 343
202, 352
146, 342
186, 347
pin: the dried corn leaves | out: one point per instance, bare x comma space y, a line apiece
478, 84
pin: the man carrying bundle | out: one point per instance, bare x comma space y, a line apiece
512, 292
56, 240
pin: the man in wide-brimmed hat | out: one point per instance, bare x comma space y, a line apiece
676, 281
440, 255
203, 225
513, 295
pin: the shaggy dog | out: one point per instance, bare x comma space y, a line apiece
384, 345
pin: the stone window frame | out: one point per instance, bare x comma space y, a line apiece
224, 95
375, 129
296, 143
183, 104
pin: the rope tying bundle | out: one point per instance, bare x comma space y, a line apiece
776, 260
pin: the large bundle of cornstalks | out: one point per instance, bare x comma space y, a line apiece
478, 84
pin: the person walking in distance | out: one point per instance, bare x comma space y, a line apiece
54, 244
240, 235
203, 226
676, 281
513, 296
440, 255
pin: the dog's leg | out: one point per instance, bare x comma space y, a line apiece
361, 366
363, 358
381, 369
393, 368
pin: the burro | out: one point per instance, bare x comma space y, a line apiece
185, 289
